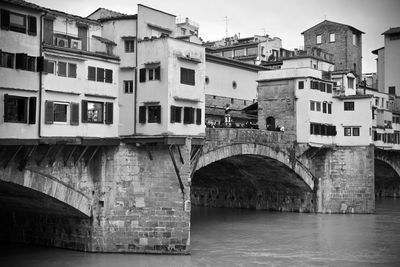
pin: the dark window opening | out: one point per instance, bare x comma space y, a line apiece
187, 76
348, 106
154, 114
15, 109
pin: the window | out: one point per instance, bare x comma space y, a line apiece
176, 114
198, 116
94, 111
312, 105
314, 85
324, 107
234, 84
17, 22
329, 108
62, 69
322, 129
394, 36
392, 90
15, 109
207, 80
350, 82
356, 131
154, 74
331, 37
100, 74
329, 88
319, 39
50, 66
154, 114
349, 106
183, 31
142, 114
128, 87
7, 60
129, 46
322, 87
188, 115
60, 112
347, 131
239, 52
301, 84
354, 39
187, 76
71, 70
318, 106
227, 53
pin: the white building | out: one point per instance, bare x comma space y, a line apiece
315, 107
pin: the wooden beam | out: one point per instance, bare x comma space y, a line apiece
18, 142
92, 155
176, 169
26, 158
39, 162
180, 154
54, 159
81, 155
12, 157
70, 155
196, 160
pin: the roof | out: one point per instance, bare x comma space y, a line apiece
392, 31
102, 10
104, 40
353, 97
157, 10
375, 52
122, 17
234, 63
22, 3
328, 21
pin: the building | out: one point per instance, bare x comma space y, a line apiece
229, 83
341, 40
388, 62
254, 50
310, 103
20, 24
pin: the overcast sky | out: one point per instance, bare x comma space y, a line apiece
282, 18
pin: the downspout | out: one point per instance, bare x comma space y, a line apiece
40, 76
136, 81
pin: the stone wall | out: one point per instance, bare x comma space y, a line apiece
345, 179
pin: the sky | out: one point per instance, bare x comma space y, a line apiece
285, 19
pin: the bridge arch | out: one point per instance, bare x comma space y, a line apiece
236, 149
50, 186
381, 157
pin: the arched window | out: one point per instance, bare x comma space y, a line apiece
271, 123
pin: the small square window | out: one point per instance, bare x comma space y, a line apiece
71, 70
318, 106
348, 106
60, 112
332, 37
347, 131
7, 60
129, 46
312, 105
128, 87
301, 84
319, 39
62, 69
95, 111
356, 131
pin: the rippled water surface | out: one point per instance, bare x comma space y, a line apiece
228, 237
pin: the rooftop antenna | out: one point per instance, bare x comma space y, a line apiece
226, 26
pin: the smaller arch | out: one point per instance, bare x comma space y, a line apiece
52, 187
256, 149
379, 156
270, 123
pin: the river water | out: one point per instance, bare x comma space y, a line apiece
232, 237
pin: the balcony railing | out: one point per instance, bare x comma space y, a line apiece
73, 42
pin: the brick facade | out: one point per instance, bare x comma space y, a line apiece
345, 53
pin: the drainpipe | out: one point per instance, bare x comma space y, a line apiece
40, 76
136, 76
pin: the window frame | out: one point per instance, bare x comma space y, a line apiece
300, 85
7, 58
188, 76
24, 115
319, 38
102, 112
67, 112
17, 27
152, 114
128, 86
348, 106
129, 46
332, 40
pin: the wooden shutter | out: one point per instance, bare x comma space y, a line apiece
91, 73
5, 19
75, 114
32, 26
109, 76
5, 107
142, 75
142, 114
198, 116
49, 112
40, 66
186, 115
84, 111
21, 61
158, 114
100, 75
32, 110
157, 73
173, 114
109, 112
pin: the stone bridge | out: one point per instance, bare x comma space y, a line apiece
134, 194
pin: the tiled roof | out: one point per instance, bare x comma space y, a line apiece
392, 30
328, 21
23, 3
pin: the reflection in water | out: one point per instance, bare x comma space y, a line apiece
231, 237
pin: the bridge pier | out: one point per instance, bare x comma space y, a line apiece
134, 197
344, 179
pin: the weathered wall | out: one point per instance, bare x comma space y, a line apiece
345, 179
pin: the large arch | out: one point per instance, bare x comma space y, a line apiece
50, 186
256, 149
381, 157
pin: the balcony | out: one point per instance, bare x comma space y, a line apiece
72, 43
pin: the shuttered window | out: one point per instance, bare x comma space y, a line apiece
198, 116
188, 115
109, 112
49, 112
142, 114
84, 111
187, 76
91, 73
109, 76
176, 114
32, 26
21, 61
154, 114
74, 114
32, 110
15, 109
100, 75
142, 75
